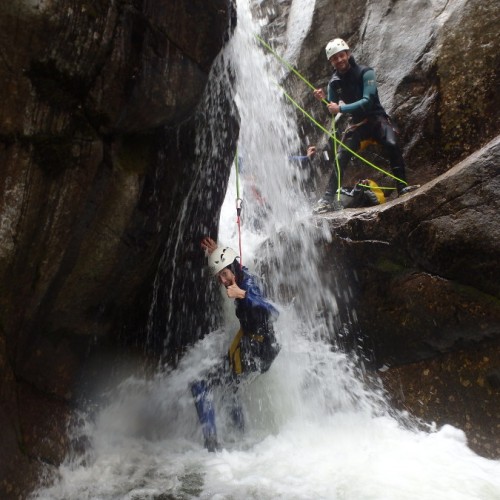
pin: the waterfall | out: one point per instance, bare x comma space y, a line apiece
318, 426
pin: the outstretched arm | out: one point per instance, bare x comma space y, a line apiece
208, 245
304, 160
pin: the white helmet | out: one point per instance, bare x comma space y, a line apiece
220, 258
334, 46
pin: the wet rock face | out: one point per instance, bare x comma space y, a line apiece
459, 388
436, 77
104, 65
467, 69
423, 276
94, 168
424, 266
428, 74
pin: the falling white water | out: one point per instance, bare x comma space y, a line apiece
316, 426
298, 23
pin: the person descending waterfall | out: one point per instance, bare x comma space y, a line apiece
352, 90
254, 347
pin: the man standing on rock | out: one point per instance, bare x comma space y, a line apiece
352, 90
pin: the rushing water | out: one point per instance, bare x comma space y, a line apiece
316, 426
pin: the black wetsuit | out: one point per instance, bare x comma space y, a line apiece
357, 89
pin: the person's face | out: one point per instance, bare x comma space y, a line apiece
226, 277
340, 61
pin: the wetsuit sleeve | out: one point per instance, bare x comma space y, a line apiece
302, 160
369, 93
254, 298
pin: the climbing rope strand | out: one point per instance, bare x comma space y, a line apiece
238, 221
372, 187
340, 143
239, 202
285, 63
288, 65
337, 165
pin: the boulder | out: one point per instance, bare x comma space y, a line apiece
423, 279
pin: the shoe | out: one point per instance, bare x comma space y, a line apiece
325, 205
408, 189
211, 444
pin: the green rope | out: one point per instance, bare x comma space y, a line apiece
378, 187
336, 156
288, 65
238, 206
337, 141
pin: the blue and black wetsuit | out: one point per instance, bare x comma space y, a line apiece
300, 160
252, 351
257, 344
357, 88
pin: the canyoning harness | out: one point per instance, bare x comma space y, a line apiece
252, 352
239, 352
234, 354
365, 142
